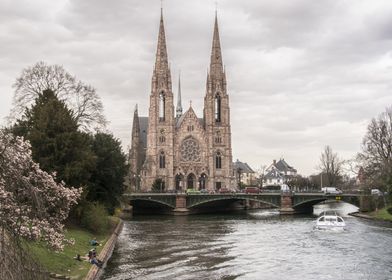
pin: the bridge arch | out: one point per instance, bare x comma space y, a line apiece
197, 201
307, 204
155, 201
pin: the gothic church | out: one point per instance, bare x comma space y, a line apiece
179, 149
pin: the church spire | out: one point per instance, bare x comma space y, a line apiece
135, 124
161, 61
179, 106
216, 65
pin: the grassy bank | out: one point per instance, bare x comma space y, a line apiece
382, 214
63, 262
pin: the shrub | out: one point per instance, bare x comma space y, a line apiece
95, 218
158, 185
389, 210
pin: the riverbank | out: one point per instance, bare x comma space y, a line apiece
63, 262
380, 215
107, 251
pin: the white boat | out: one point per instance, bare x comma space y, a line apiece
330, 220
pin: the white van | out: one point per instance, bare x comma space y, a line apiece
331, 190
375, 192
284, 188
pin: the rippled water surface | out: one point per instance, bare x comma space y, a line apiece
250, 245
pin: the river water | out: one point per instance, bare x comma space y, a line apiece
251, 245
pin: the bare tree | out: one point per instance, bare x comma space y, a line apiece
331, 165
376, 156
82, 99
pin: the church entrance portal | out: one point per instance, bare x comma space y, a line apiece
202, 181
191, 181
179, 179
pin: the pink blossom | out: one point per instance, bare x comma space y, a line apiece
32, 204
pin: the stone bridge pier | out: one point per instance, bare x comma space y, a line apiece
286, 204
181, 207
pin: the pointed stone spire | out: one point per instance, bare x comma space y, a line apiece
179, 106
135, 126
161, 61
216, 65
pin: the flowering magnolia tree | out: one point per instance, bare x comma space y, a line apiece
32, 204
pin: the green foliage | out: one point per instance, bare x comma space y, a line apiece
63, 262
57, 145
106, 183
158, 185
95, 217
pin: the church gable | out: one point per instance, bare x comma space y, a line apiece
189, 123
190, 130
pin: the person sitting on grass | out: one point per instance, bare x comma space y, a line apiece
94, 242
77, 257
96, 261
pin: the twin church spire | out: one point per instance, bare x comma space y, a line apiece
162, 71
161, 60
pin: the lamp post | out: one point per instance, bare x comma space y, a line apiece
239, 171
138, 182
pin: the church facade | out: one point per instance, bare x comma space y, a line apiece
176, 149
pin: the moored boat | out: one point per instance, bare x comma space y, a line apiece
330, 220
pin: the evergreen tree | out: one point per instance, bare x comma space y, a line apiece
57, 145
108, 177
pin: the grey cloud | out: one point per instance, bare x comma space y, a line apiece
301, 74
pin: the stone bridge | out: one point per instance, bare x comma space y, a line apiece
287, 203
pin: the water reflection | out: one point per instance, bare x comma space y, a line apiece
343, 209
250, 245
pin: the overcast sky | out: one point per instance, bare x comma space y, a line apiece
301, 74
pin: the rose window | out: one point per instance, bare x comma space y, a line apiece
190, 150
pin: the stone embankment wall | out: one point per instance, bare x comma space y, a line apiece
96, 272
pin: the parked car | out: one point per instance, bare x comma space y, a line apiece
192, 191
252, 190
331, 190
224, 190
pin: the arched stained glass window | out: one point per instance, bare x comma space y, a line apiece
162, 106
217, 108
162, 160
218, 160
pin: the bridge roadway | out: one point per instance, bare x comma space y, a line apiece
181, 203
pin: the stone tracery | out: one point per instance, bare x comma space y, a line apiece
190, 150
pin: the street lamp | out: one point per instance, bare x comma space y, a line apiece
138, 183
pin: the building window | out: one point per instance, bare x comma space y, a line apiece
218, 185
162, 139
162, 161
218, 160
162, 106
218, 140
217, 108
190, 128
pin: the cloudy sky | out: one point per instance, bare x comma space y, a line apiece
301, 74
